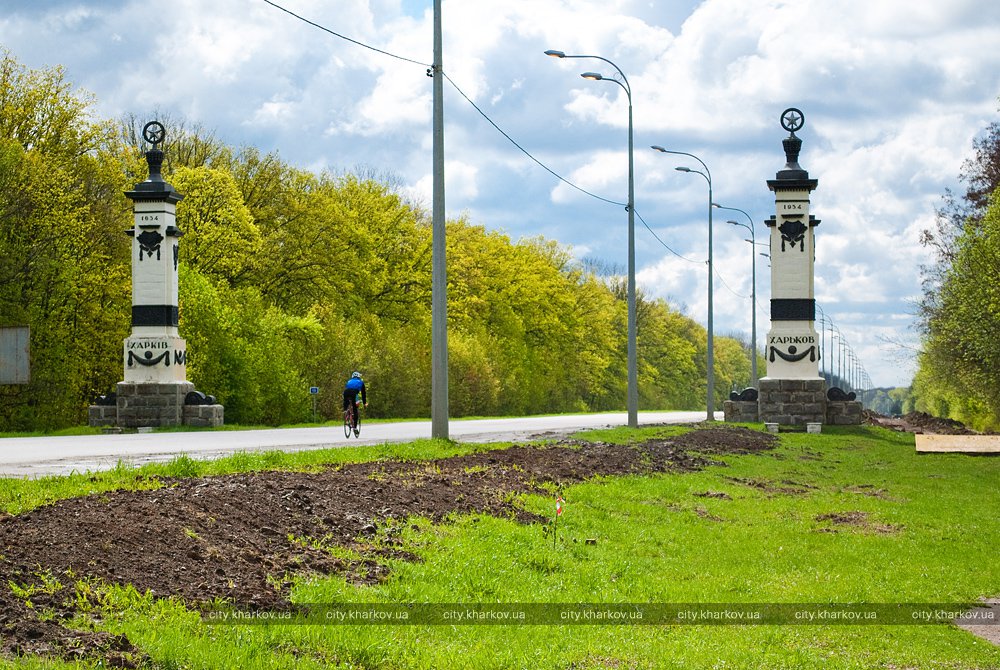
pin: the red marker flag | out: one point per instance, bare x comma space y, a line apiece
559, 505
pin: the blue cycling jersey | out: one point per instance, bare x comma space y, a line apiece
354, 384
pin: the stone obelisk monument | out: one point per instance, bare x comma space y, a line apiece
155, 353
155, 391
792, 343
793, 392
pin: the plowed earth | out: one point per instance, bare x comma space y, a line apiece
918, 422
239, 537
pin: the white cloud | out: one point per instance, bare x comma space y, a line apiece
893, 92
273, 112
459, 179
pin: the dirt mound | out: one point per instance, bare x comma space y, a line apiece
239, 537
729, 440
917, 422
932, 424
857, 520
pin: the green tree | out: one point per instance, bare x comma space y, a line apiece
62, 251
960, 365
291, 279
220, 238
245, 352
958, 368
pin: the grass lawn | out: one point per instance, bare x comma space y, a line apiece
849, 516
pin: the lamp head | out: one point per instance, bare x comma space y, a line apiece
735, 223
555, 54
683, 169
658, 148
594, 76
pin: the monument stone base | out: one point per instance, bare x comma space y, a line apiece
203, 416
741, 411
794, 402
153, 405
843, 412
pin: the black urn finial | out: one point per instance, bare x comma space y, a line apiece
154, 188
792, 119
154, 133
792, 146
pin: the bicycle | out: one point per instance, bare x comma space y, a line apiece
352, 422
348, 420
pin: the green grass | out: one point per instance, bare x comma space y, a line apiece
18, 495
931, 535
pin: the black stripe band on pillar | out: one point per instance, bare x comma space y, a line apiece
793, 309
154, 315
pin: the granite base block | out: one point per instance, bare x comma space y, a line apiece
740, 411
844, 412
204, 416
792, 402
154, 404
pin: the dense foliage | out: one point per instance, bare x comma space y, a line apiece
959, 366
291, 279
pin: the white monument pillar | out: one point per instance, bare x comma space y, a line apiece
792, 393
793, 348
155, 391
154, 353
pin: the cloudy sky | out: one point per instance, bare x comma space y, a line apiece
893, 92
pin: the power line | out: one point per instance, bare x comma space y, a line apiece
557, 175
491, 122
461, 92
344, 37
525, 151
728, 287
655, 237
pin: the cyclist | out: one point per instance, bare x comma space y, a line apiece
354, 386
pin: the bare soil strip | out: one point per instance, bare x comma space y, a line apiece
238, 537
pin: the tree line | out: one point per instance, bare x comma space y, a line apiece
291, 279
958, 374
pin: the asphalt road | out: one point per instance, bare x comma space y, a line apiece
39, 456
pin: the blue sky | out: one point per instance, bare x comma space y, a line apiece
893, 91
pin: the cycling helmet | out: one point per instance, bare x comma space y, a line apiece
356, 375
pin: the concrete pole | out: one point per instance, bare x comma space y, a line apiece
439, 281
753, 287
707, 175
711, 329
633, 372
632, 393
753, 309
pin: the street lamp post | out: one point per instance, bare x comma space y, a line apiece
822, 344
833, 361
840, 358
633, 374
753, 287
707, 174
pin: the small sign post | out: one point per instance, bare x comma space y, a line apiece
314, 391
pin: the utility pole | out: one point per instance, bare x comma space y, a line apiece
439, 281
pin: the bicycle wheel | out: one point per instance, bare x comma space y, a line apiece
357, 422
347, 422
